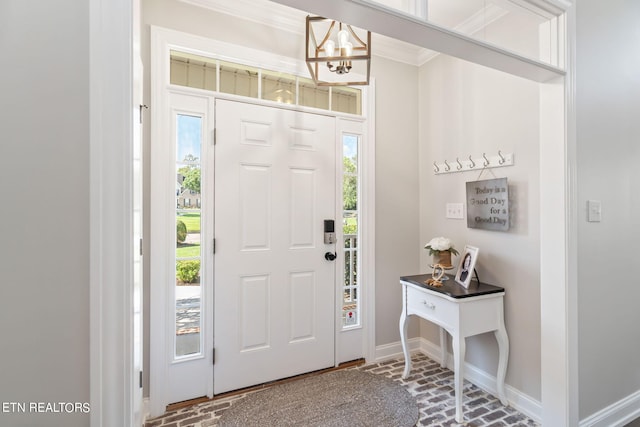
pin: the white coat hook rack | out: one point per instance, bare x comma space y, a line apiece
473, 164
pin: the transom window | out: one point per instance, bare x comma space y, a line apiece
227, 77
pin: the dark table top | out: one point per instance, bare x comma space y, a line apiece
452, 288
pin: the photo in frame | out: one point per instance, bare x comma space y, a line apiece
465, 266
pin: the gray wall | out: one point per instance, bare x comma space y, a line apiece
608, 131
44, 177
397, 189
467, 109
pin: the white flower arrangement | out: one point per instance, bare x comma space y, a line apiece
439, 244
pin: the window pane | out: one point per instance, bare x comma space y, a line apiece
349, 226
347, 276
312, 96
188, 313
188, 235
350, 177
346, 100
350, 152
192, 71
238, 79
349, 315
188, 139
279, 87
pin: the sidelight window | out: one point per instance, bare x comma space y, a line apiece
350, 219
188, 319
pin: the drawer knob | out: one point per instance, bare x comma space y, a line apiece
428, 304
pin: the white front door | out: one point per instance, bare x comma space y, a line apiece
275, 183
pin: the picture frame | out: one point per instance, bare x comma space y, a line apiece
466, 265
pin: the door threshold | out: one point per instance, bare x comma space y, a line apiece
186, 403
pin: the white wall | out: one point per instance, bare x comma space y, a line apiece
44, 176
608, 131
465, 110
396, 147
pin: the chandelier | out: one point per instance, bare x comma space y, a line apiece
336, 53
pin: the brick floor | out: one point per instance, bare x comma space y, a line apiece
431, 384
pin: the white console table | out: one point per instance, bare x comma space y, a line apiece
462, 313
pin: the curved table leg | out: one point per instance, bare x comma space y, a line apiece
443, 348
458, 366
503, 349
403, 338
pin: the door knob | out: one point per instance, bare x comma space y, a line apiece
330, 256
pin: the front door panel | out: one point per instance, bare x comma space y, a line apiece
274, 289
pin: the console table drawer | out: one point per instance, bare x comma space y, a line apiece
431, 307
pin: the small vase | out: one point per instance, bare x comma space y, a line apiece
443, 258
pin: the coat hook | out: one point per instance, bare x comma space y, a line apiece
502, 160
437, 169
473, 164
486, 161
459, 164
447, 168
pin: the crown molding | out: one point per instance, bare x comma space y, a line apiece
480, 20
396, 50
548, 8
472, 25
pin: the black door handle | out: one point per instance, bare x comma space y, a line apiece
330, 256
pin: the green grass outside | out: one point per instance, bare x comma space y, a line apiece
191, 220
188, 251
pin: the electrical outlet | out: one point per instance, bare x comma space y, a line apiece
455, 210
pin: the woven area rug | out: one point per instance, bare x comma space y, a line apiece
339, 398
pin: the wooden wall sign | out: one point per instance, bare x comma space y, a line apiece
488, 204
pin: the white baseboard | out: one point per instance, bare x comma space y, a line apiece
517, 399
617, 414
145, 410
394, 350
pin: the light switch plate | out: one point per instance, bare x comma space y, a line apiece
594, 210
455, 210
